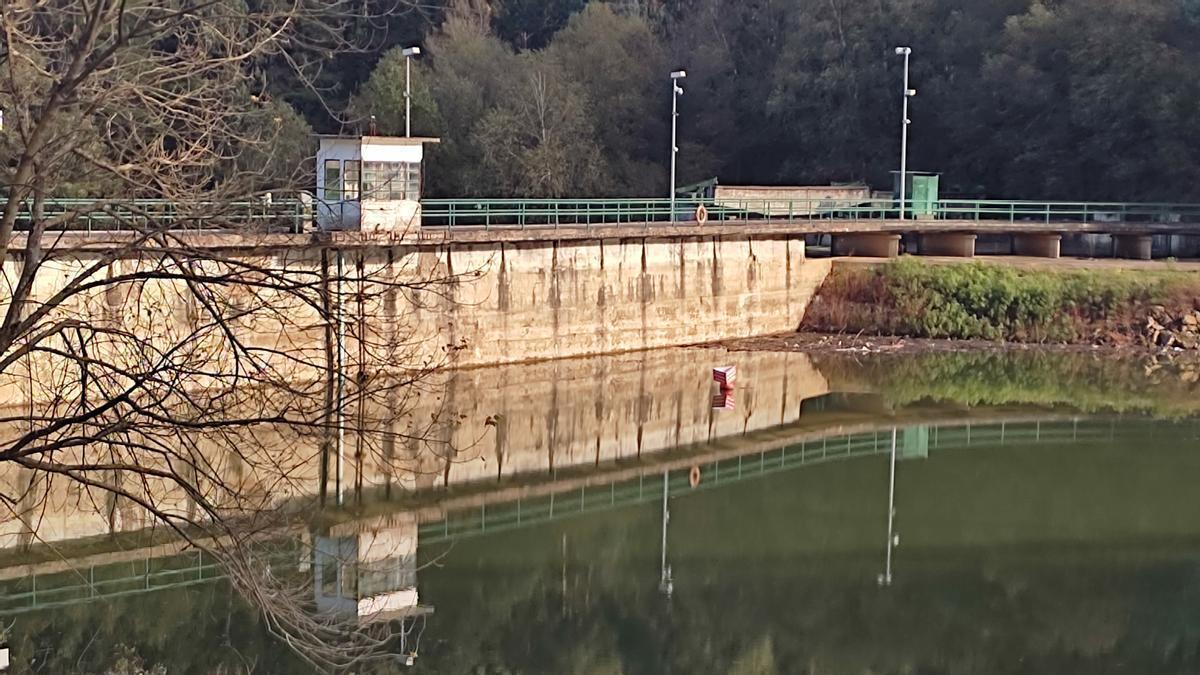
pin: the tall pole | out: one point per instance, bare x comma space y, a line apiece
674, 147
907, 52
408, 96
409, 54
676, 90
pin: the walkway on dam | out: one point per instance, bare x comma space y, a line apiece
871, 228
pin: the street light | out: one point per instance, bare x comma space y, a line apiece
676, 92
409, 54
906, 52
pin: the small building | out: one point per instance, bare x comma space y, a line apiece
920, 191
370, 183
778, 200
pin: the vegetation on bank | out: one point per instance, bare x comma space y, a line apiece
994, 302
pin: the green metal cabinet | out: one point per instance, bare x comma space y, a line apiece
921, 192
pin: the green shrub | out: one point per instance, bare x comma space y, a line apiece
991, 302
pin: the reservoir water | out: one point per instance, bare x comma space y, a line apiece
845, 513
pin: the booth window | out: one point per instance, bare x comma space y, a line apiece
333, 180
391, 181
350, 180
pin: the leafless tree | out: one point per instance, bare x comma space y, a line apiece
186, 362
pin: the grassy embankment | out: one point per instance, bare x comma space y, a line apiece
995, 302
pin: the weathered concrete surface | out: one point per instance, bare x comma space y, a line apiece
958, 244
871, 245
1133, 246
557, 299
453, 304
1038, 245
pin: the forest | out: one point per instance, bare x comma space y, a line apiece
1037, 99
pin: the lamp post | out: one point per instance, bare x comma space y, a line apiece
906, 52
676, 92
409, 54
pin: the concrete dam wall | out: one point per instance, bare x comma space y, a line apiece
552, 299
407, 304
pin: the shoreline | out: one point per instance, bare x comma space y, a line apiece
862, 343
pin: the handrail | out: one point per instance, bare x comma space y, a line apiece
101, 215
297, 215
509, 213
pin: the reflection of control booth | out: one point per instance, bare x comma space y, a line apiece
366, 571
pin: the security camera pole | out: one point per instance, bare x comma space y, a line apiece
904, 122
676, 92
409, 54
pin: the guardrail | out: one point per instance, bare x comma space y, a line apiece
295, 215
554, 213
96, 215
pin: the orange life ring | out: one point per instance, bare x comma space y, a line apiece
694, 476
701, 214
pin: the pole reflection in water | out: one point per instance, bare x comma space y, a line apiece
665, 584
893, 538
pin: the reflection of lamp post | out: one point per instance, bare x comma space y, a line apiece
665, 584
893, 539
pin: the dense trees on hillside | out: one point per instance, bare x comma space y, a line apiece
1068, 99
1065, 99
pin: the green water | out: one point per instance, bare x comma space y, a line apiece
1040, 538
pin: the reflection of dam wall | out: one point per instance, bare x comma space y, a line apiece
576, 412
544, 416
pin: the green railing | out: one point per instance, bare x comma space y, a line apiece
92, 215
555, 213
293, 215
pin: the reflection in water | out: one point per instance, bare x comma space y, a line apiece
665, 584
368, 574
1063, 541
893, 539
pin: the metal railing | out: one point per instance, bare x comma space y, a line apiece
555, 213
297, 215
95, 215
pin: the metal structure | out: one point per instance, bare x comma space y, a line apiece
409, 54
906, 52
296, 215
650, 212
676, 92
98, 215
